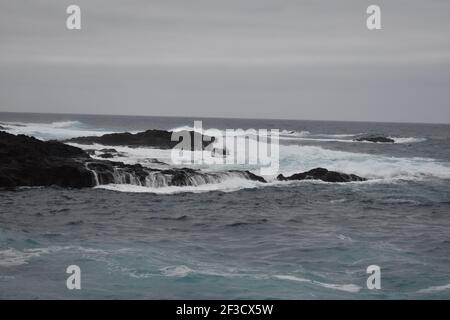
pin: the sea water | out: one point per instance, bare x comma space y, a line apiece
238, 239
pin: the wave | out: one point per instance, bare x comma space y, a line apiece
228, 185
53, 130
176, 271
182, 271
295, 159
66, 124
341, 138
435, 289
295, 133
408, 140
11, 257
352, 288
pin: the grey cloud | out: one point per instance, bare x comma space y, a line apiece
249, 58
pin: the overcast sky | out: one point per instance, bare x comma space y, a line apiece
296, 59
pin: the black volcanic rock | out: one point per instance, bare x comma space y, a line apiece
322, 174
151, 138
26, 161
375, 139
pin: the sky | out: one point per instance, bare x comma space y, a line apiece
282, 59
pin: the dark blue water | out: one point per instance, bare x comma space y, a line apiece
281, 241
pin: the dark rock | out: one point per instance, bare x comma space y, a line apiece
106, 155
108, 150
161, 139
375, 139
26, 161
322, 174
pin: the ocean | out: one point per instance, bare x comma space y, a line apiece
238, 239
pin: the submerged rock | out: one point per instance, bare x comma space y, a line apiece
323, 175
375, 139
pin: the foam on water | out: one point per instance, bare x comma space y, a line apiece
53, 130
435, 289
228, 185
352, 288
295, 159
11, 257
408, 140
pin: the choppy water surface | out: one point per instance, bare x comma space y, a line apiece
239, 239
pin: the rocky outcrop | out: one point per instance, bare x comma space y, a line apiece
376, 139
26, 161
161, 139
323, 175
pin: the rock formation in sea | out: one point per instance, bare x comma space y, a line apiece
322, 174
375, 139
160, 139
27, 161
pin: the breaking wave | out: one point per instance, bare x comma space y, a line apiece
53, 130
295, 159
352, 288
435, 289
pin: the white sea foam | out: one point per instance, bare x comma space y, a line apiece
228, 185
352, 288
408, 140
295, 159
54, 130
12, 257
128, 155
435, 289
176, 271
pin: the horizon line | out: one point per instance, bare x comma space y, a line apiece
216, 117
